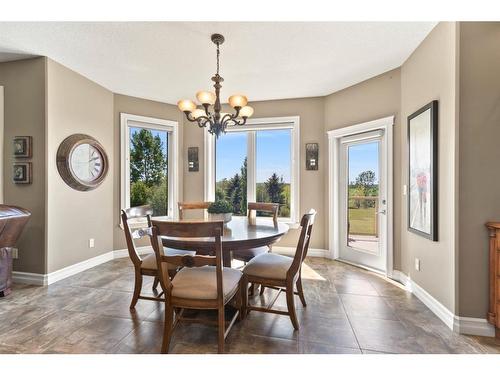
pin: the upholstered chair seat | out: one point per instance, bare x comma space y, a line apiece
247, 255
269, 266
201, 283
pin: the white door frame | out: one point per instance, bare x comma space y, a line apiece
334, 137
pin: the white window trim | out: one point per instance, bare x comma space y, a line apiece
265, 123
334, 136
127, 120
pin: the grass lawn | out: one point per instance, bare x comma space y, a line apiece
362, 221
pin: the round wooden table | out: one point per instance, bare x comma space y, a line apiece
240, 233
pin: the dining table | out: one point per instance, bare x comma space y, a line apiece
241, 233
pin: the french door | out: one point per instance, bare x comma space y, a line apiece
362, 201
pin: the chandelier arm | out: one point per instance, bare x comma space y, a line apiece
190, 118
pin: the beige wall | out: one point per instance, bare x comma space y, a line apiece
372, 99
77, 105
24, 90
142, 107
479, 156
430, 73
312, 183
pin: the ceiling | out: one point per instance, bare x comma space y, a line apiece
167, 61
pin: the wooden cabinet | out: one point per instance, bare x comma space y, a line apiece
494, 309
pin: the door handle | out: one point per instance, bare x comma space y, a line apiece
383, 212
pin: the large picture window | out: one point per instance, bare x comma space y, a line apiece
256, 162
148, 163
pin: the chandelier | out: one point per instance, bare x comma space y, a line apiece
212, 118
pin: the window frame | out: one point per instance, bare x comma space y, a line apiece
253, 125
172, 127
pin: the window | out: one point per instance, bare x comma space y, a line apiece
255, 163
149, 165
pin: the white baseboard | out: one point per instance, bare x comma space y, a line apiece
459, 324
322, 253
29, 278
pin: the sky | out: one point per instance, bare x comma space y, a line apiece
363, 157
272, 150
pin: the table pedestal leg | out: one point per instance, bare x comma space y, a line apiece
226, 258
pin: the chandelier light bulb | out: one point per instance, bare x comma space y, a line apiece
186, 105
198, 113
246, 111
205, 97
238, 101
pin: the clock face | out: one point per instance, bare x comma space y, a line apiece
86, 162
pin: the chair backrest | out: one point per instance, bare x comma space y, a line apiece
185, 229
185, 206
140, 212
303, 245
271, 208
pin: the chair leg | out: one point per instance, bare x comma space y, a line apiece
244, 297
291, 305
301, 292
167, 328
262, 290
222, 330
137, 289
156, 282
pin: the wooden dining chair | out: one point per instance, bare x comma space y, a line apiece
143, 266
281, 273
248, 254
185, 206
202, 284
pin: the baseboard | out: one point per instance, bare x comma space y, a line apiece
321, 253
459, 324
29, 278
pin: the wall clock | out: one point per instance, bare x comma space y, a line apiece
82, 162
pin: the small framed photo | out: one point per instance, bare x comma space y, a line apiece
22, 146
21, 173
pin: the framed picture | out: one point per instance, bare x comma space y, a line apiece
312, 151
21, 173
22, 146
193, 163
422, 171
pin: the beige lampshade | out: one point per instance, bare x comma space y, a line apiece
246, 111
186, 105
238, 101
198, 113
205, 97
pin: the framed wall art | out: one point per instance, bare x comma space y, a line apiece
422, 171
22, 173
22, 146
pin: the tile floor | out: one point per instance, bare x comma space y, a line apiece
349, 311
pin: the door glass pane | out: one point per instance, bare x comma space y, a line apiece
363, 191
148, 169
273, 168
231, 170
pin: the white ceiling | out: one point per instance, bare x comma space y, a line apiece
167, 61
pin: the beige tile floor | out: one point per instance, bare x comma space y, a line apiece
349, 311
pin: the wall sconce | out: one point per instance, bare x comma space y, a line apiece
193, 164
312, 151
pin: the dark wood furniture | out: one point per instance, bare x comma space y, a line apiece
185, 206
280, 272
137, 224
203, 283
247, 255
494, 308
239, 234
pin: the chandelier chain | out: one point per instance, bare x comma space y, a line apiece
218, 53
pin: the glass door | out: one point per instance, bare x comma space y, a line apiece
362, 201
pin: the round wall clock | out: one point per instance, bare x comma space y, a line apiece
82, 162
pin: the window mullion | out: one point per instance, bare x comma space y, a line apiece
251, 167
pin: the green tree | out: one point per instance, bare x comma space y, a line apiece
274, 187
365, 182
148, 161
139, 194
234, 193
